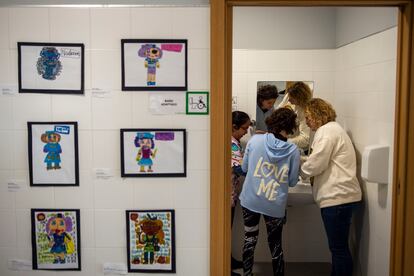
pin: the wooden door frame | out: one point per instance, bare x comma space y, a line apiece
402, 233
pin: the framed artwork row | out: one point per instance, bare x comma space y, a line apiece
54, 158
56, 240
147, 65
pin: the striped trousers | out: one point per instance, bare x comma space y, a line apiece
274, 228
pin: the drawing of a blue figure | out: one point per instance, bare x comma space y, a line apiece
48, 64
52, 148
152, 54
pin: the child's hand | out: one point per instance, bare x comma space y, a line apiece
303, 159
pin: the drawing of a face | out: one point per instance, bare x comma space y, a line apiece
53, 137
150, 51
151, 227
146, 143
153, 53
58, 225
50, 137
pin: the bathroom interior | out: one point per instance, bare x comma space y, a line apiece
347, 55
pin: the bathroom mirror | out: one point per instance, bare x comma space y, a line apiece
281, 100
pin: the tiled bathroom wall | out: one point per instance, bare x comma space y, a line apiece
364, 97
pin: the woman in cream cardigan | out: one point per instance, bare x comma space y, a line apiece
332, 164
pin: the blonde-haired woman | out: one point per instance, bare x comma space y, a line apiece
298, 94
336, 190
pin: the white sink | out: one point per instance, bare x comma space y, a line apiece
301, 194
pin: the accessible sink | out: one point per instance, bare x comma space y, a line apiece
301, 194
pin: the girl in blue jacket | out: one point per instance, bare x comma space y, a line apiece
272, 165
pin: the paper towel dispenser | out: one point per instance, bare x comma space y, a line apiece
374, 167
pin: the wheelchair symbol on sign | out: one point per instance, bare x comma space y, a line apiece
197, 104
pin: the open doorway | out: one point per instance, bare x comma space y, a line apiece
222, 14
347, 56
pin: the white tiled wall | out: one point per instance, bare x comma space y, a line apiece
103, 203
359, 79
364, 96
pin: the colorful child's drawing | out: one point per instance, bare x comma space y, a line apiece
153, 152
147, 151
53, 153
52, 148
55, 68
56, 239
154, 64
48, 65
151, 241
152, 55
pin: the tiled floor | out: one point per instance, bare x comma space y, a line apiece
293, 269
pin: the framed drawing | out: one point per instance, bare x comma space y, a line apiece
53, 153
154, 64
150, 241
51, 68
197, 103
56, 239
153, 152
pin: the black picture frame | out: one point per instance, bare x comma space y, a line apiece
134, 259
52, 68
52, 176
139, 72
46, 253
129, 150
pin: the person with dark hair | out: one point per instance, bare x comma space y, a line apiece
272, 166
240, 124
336, 190
266, 98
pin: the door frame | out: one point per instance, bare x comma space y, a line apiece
402, 232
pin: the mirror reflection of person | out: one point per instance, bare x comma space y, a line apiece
266, 98
297, 96
336, 190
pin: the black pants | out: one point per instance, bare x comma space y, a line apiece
274, 228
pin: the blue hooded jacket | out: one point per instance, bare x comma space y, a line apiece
272, 165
